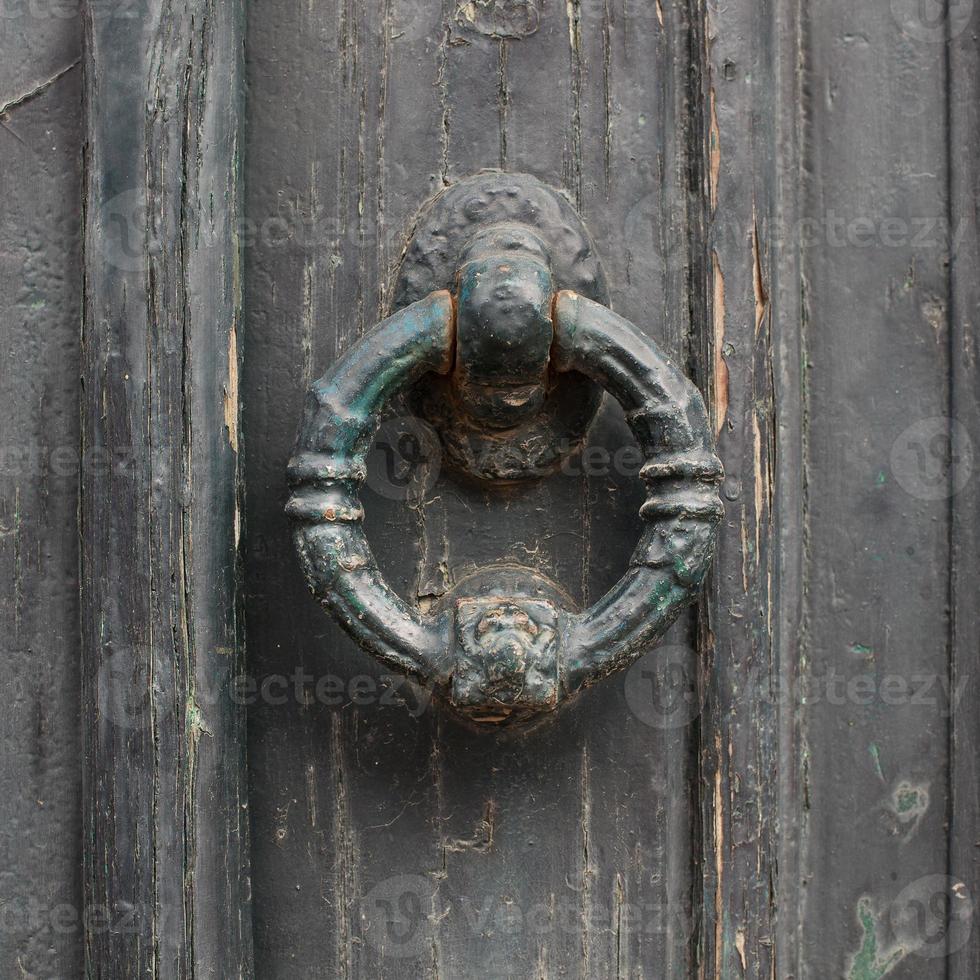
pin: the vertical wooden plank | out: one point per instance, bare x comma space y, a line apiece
315, 281
748, 638
40, 295
877, 645
390, 841
964, 320
165, 800
781, 259
640, 748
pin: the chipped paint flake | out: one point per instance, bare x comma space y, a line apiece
758, 284
714, 151
871, 962
231, 390
720, 402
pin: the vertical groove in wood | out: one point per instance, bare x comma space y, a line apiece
964, 321
167, 884
790, 496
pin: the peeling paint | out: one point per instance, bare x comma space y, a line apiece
714, 152
909, 801
482, 840
231, 390
902, 811
758, 285
720, 401
876, 757
500, 18
871, 962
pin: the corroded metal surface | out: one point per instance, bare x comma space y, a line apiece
454, 218
506, 651
501, 415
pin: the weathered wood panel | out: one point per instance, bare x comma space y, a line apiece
803, 182
783, 186
838, 748
570, 852
166, 853
877, 295
40, 296
739, 785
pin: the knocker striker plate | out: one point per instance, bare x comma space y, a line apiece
521, 422
500, 350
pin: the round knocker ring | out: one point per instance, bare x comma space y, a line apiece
506, 649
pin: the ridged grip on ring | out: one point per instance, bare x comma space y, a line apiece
339, 422
666, 414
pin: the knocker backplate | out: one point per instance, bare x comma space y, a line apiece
445, 228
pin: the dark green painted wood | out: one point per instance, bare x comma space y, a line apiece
166, 844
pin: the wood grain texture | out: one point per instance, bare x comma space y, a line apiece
840, 217
569, 853
40, 296
166, 853
748, 638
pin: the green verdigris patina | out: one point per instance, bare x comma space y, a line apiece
506, 648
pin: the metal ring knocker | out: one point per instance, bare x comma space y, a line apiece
512, 353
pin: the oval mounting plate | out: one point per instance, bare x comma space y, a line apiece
443, 231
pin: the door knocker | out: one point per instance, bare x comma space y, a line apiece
501, 300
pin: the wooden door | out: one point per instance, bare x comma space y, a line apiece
784, 198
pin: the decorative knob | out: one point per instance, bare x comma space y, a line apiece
510, 344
